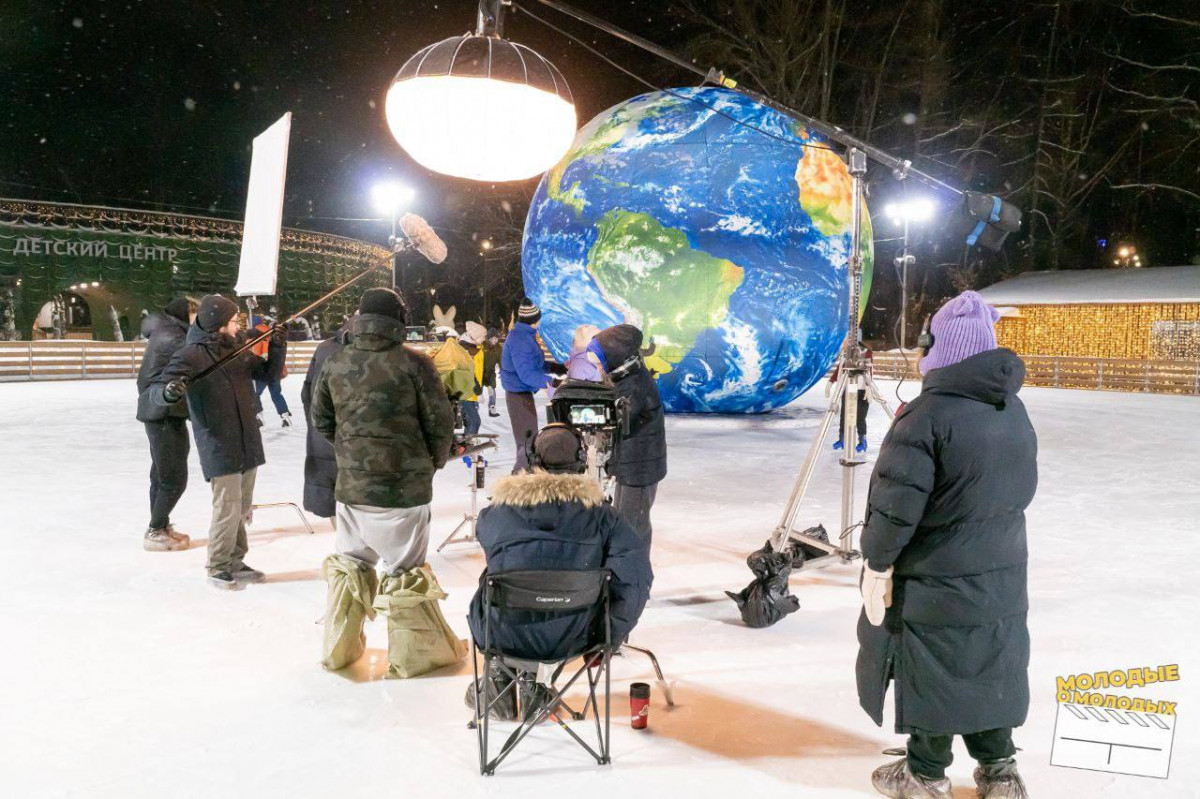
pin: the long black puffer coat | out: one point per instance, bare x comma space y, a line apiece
946, 509
546, 521
222, 406
641, 457
165, 336
320, 463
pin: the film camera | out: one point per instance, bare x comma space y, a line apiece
599, 414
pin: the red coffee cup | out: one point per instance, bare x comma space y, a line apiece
639, 705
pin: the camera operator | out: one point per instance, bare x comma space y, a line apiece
944, 573
386, 413
640, 461
222, 408
556, 518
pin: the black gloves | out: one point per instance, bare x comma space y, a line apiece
555, 368
176, 389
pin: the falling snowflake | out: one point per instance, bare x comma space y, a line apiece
189, 104
371, 103
237, 85
909, 119
77, 22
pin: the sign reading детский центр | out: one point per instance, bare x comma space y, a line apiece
1115, 733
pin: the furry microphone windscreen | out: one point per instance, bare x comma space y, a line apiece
423, 238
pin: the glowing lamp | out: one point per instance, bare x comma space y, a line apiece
481, 107
389, 198
916, 210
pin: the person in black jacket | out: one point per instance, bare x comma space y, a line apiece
166, 428
320, 463
640, 461
945, 557
222, 410
555, 518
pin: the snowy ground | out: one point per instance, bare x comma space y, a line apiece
124, 675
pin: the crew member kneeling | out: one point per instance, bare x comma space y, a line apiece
556, 519
386, 413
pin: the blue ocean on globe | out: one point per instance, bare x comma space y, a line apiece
717, 225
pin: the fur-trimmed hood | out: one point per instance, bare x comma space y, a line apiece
539, 488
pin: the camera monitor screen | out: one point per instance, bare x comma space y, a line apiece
588, 415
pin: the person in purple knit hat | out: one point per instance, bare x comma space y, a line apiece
944, 562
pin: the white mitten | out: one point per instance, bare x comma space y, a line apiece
876, 593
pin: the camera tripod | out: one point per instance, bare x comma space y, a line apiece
854, 375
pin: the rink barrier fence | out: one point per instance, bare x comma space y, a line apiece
88, 360
75, 360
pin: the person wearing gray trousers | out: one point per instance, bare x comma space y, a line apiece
523, 415
399, 537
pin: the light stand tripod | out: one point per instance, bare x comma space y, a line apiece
478, 466
854, 375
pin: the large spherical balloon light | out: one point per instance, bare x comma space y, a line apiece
481, 107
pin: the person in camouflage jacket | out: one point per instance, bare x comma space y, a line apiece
388, 416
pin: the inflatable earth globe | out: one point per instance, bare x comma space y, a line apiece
718, 226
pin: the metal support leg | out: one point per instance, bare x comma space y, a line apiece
291, 505
469, 520
854, 375
779, 538
662, 681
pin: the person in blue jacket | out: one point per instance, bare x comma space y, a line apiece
523, 373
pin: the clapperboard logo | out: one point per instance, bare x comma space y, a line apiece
1116, 741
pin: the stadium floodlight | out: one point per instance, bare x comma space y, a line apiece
481, 107
391, 197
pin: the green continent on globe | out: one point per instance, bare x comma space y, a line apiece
609, 132
653, 276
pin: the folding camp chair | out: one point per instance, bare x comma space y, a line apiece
546, 592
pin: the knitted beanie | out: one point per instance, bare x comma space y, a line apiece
384, 302
179, 308
557, 447
215, 312
529, 313
963, 327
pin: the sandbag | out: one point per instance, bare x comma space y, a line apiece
766, 599
419, 639
348, 603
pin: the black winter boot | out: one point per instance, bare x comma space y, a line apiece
247, 574
224, 581
999, 780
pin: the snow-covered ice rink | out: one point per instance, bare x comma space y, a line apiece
125, 675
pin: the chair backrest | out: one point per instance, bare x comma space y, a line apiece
547, 591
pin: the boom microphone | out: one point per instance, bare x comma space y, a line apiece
423, 238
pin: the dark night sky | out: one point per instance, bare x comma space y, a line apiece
141, 103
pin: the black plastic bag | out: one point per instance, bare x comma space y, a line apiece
802, 551
767, 599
